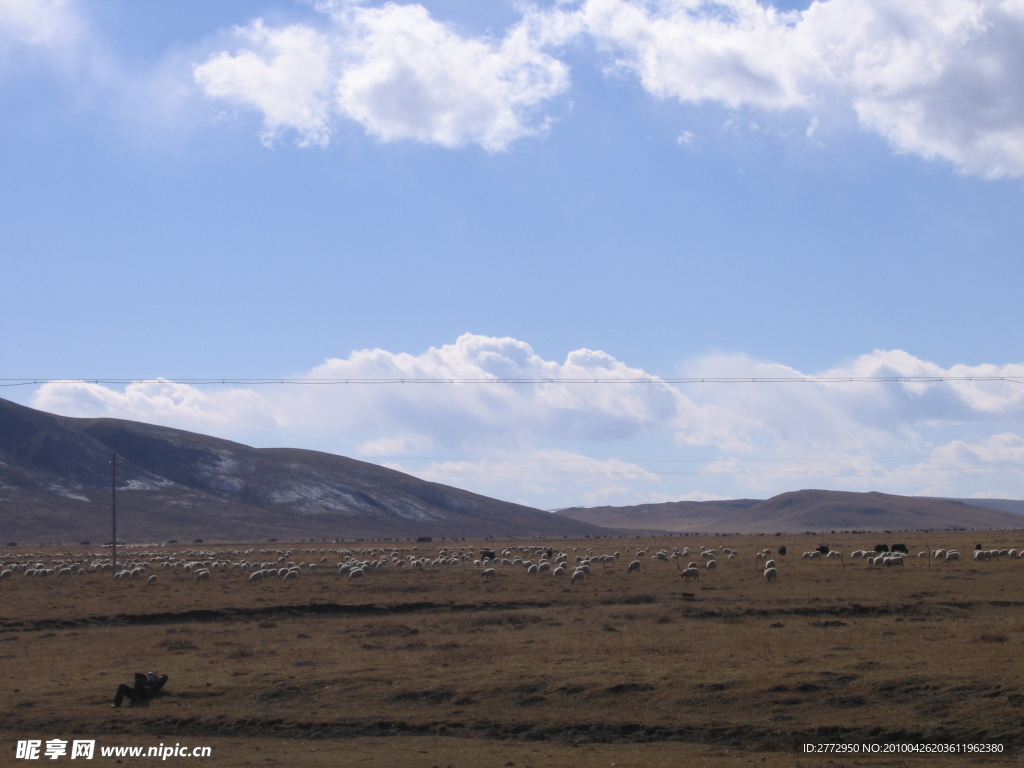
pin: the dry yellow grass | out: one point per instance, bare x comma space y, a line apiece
441, 667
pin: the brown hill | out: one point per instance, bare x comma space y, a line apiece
667, 517
808, 510
55, 479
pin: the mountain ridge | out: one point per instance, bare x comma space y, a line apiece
808, 510
55, 480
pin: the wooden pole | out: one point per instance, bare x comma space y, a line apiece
113, 508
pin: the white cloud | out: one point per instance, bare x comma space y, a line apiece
161, 402
738, 52
551, 444
284, 73
937, 78
396, 71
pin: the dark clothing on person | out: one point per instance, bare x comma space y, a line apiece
145, 688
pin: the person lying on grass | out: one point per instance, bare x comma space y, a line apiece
145, 688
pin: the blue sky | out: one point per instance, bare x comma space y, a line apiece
606, 188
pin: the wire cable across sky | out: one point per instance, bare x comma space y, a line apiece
26, 382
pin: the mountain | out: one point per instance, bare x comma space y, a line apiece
674, 516
55, 486
1007, 505
808, 510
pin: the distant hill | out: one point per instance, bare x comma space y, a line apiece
667, 517
55, 478
1006, 505
809, 510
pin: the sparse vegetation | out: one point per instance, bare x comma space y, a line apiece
730, 665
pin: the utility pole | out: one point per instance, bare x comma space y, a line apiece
113, 508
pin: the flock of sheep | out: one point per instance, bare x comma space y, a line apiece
355, 563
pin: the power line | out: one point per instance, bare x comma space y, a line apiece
822, 473
23, 382
694, 461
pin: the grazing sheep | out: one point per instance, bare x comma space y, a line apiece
690, 574
771, 574
6, 574
634, 566
577, 575
952, 555
559, 571
489, 573
151, 579
356, 573
255, 576
202, 575
769, 564
711, 565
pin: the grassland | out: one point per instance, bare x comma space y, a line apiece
439, 667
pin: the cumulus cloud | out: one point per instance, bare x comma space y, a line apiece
737, 52
161, 402
551, 443
939, 79
396, 71
284, 73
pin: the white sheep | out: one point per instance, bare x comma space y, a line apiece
356, 573
690, 574
255, 576
711, 565
633, 567
769, 564
151, 579
771, 574
489, 573
577, 575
